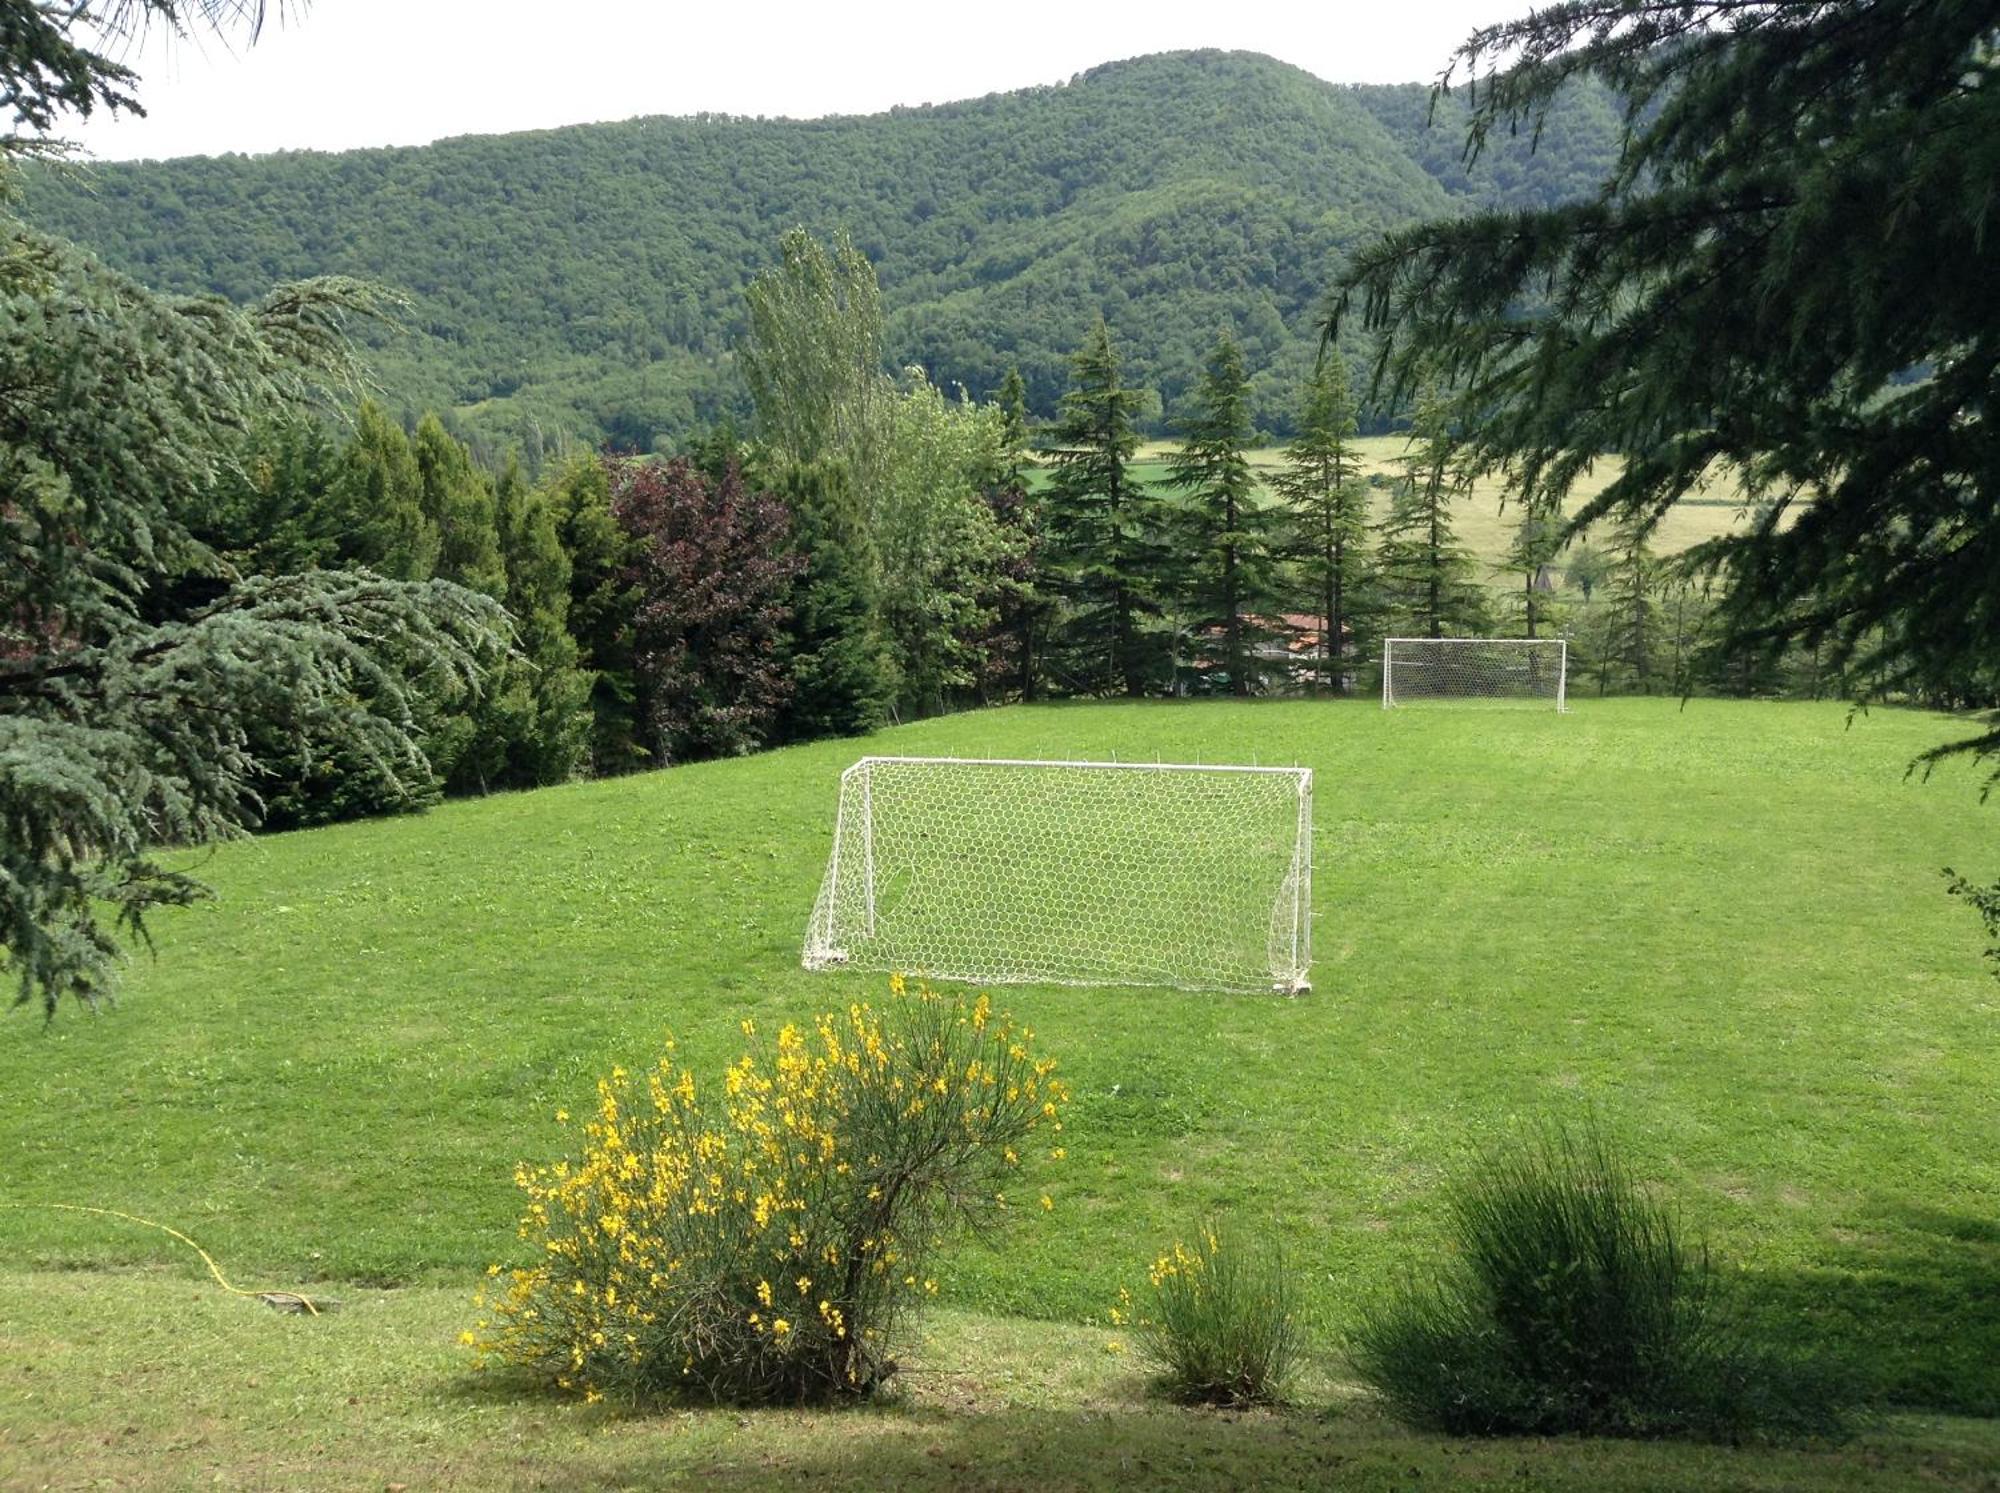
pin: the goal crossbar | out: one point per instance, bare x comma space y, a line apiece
1061, 871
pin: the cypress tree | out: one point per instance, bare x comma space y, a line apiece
1103, 528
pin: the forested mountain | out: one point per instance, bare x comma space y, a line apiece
589, 281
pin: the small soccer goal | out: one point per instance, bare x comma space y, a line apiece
994, 871
1468, 670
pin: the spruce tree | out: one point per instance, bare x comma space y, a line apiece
843, 679
1321, 482
1429, 579
1229, 556
1537, 537
1104, 528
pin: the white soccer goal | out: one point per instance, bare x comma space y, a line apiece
1070, 873
1460, 670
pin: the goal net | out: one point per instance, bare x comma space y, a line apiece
1535, 670
1070, 873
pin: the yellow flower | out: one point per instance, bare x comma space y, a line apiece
897, 985
781, 1327
1047, 1204
562, 1117
764, 1292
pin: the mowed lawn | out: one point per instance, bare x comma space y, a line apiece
1719, 928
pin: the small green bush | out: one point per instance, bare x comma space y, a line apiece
1219, 1324
1574, 1305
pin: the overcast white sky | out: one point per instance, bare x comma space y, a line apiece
401, 72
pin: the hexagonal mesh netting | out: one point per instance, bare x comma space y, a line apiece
1465, 670
1070, 873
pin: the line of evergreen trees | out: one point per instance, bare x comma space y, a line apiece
875, 549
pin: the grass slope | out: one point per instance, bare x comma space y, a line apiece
1720, 926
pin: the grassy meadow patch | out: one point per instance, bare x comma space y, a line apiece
1720, 927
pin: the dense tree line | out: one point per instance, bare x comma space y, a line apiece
872, 549
589, 282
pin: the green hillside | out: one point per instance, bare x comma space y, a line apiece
590, 279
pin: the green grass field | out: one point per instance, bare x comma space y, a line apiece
1720, 927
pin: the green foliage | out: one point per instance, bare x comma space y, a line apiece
1228, 554
1984, 900
813, 356
1103, 527
600, 607
764, 1244
1784, 280
1001, 227
1321, 484
943, 556
843, 677
1429, 582
1220, 1321
1574, 1306
137, 669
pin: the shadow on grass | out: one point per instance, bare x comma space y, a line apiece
928, 1449
1907, 1307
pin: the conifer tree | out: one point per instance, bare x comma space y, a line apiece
1428, 577
376, 502
1537, 537
1635, 609
1229, 556
1103, 527
1024, 609
601, 604
843, 678
130, 717
1787, 279
1321, 482
457, 499
546, 732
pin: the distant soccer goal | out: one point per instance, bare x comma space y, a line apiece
1464, 670
994, 871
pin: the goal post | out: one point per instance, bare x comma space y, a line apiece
1007, 871
1463, 670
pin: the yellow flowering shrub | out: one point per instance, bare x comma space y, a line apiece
1218, 1321
760, 1242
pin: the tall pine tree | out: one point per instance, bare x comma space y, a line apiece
1229, 557
1104, 528
1428, 577
1321, 482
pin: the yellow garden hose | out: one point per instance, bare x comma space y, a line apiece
282, 1300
